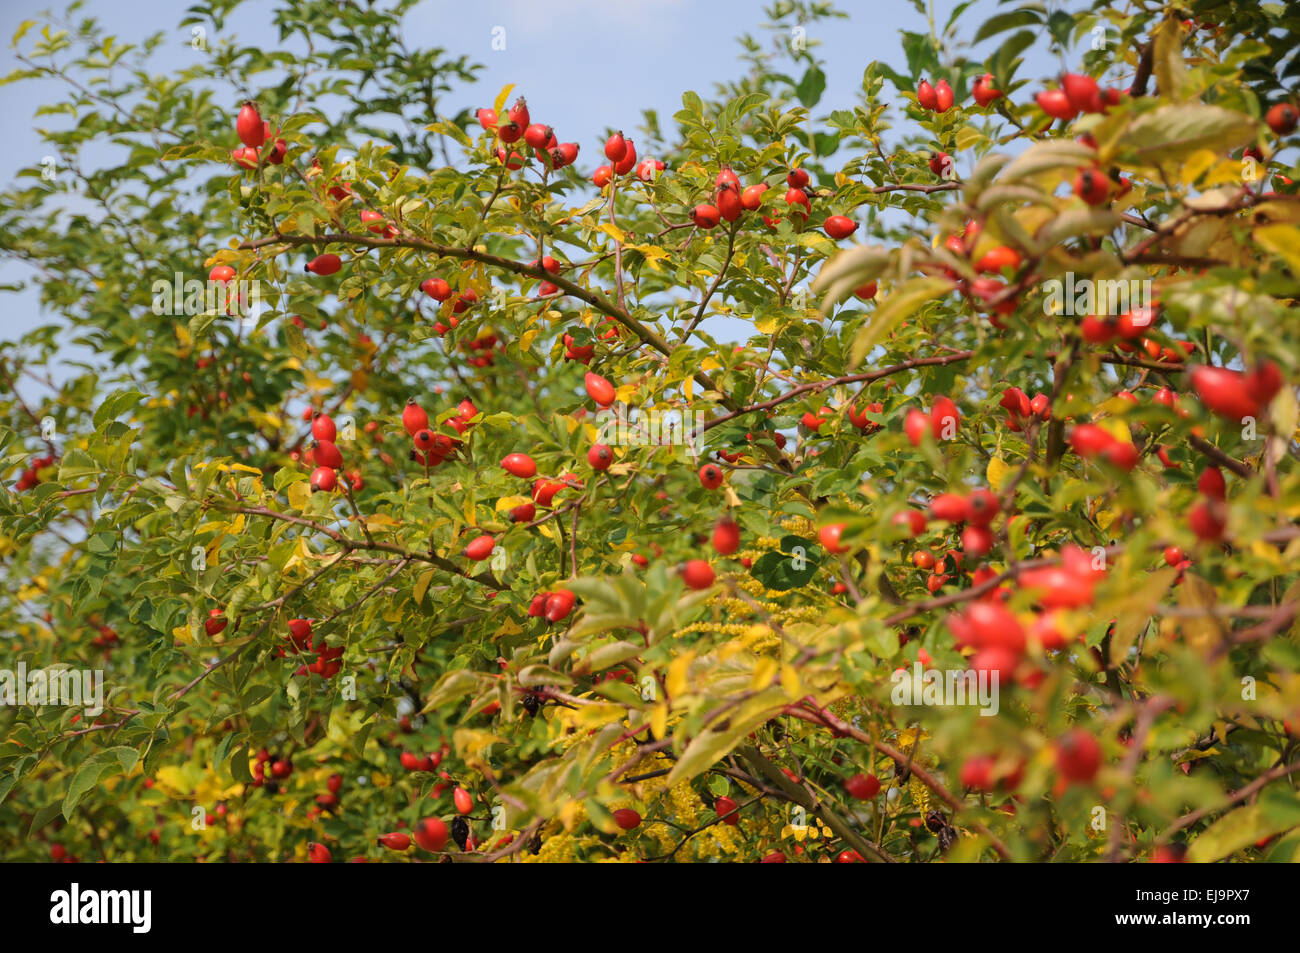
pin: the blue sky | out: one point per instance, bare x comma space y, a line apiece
585, 65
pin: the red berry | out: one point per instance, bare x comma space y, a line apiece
705, 216
414, 418
1092, 186
752, 197
395, 841
829, 537
1282, 118
996, 259
1082, 92
519, 113
943, 96
984, 92
323, 428
863, 786
916, 424
520, 465
436, 288
215, 623
431, 834
1056, 104
559, 604
1224, 392
1208, 520
840, 226
324, 480
1212, 484
480, 548
249, 126
615, 147
730, 206
950, 508
599, 389
600, 456
463, 800
710, 477
1078, 756
725, 808
726, 536
697, 574
627, 819
797, 199
624, 166
925, 95
324, 264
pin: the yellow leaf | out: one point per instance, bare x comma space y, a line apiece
659, 720
470, 516
1196, 164
676, 680
613, 231
500, 102
1116, 428
997, 474
422, 585
1282, 240
508, 627
299, 494
790, 682
764, 672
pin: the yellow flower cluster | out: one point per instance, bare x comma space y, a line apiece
799, 525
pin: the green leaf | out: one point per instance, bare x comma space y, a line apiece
115, 405
902, 303
87, 776
811, 87
1007, 21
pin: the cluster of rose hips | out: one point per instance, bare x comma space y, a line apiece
253, 132
326, 457
431, 448
1077, 94
1021, 410
731, 202
941, 422
30, 477
107, 639
328, 661
621, 154
939, 97
552, 153
280, 768
439, 290
1236, 395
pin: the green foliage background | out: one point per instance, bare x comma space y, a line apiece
183, 435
